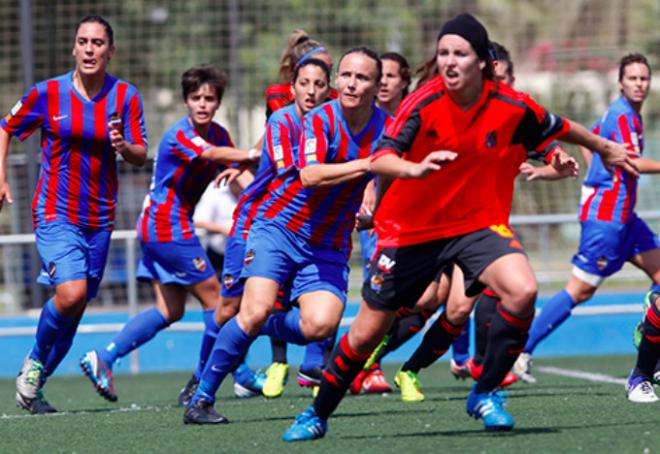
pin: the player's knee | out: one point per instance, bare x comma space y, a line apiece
254, 315
457, 315
315, 328
69, 298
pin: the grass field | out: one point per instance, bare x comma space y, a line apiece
558, 414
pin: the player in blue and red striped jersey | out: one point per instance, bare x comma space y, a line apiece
86, 117
302, 233
190, 155
611, 231
282, 136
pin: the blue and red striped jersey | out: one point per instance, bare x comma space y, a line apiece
325, 216
281, 141
612, 197
78, 176
179, 179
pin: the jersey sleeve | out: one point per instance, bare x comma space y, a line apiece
277, 143
26, 115
133, 119
546, 154
538, 127
314, 142
625, 132
187, 148
399, 134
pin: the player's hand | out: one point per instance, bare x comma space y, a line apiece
618, 155
530, 171
431, 163
5, 194
229, 175
565, 165
364, 221
117, 140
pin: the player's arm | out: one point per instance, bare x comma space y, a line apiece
230, 155
213, 227
646, 165
5, 191
324, 175
393, 166
586, 155
132, 153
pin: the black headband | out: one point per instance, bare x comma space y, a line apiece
470, 29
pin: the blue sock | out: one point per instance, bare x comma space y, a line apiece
51, 326
553, 314
140, 329
211, 329
314, 354
460, 348
229, 346
655, 288
285, 326
61, 347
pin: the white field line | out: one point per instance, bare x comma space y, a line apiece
589, 376
131, 409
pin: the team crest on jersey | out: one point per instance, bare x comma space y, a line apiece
51, 269
14, 110
278, 154
199, 142
310, 147
249, 257
601, 263
377, 281
635, 142
200, 263
228, 281
491, 139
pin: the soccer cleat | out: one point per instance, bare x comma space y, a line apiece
188, 391
248, 383
656, 373
358, 381
489, 407
409, 385
459, 371
202, 412
29, 382
375, 383
307, 427
276, 377
640, 390
100, 375
309, 378
476, 370
37, 406
523, 368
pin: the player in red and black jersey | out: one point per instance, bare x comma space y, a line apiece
488, 127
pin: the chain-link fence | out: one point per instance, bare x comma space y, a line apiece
565, 53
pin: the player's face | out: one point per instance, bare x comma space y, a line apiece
357, 82
202, 105
635, 83
92, 49
310, 88
500, 71
458, 63
391, 83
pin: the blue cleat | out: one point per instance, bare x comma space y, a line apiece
307, 427
100, 375
490, 408
248, 383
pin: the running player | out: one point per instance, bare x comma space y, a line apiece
87, 117
302, 232
611, 231
189, 156
489, 126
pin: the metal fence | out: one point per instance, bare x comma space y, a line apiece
565, 51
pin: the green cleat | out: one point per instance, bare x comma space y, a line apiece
409, 385
276, 377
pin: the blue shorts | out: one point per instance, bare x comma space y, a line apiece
174, 262
232, 283
606, 246
368, 244
69, 252
276, 253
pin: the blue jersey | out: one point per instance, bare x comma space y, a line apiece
325, 216
612, 198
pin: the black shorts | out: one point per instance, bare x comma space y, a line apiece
399, 276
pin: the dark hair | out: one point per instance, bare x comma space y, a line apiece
370, 53
501, 53
195, 77
426, 71
404, 67
629, 60
315, 62
299, 45
98, 20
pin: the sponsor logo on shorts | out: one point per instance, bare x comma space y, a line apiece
200, 263
180, 273
491, 139
377, 282
385, 263
249, 257
51, 269
228, 280
601, 263
515, 244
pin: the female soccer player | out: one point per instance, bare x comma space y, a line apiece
489, 127
189, 156
87, 117
302, 232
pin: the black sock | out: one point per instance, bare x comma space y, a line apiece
339, 372
507, 337
329, 348
436, 342
483, 316
278, 346
402, 330
649, 347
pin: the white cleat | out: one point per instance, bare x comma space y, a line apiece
640, 391
523, 368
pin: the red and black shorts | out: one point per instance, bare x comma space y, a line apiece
399, 276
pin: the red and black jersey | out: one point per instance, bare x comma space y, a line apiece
476, 189
280, 95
